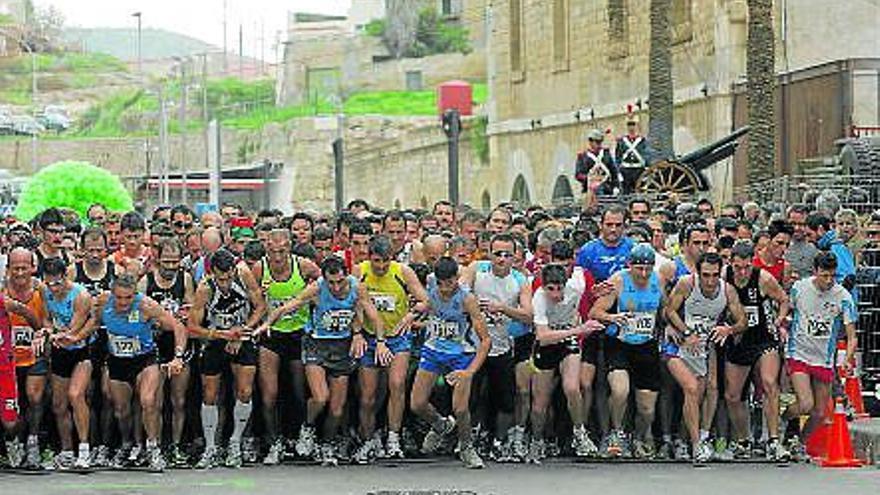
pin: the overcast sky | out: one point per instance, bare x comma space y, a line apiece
202, 19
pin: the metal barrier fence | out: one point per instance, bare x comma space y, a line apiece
858, 192
868, 328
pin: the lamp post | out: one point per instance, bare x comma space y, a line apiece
140, 60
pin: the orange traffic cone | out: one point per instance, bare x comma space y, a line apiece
840, 451
817, 443
853, 391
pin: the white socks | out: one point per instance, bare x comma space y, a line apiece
241, 414
209, 424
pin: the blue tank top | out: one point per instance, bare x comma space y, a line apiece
332, 317
61, 313
448, 325
129, 334
641, 305
680, 269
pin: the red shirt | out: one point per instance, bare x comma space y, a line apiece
777, 270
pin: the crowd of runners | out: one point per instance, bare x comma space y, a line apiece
637, 330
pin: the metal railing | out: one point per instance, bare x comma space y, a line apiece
858, 192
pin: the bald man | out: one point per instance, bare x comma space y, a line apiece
212, 240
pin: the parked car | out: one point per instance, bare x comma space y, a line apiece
54, 118
25, 125
6, 126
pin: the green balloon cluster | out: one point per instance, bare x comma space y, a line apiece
74, 185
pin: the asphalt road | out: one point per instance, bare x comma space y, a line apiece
555, 477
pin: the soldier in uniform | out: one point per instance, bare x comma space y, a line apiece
595, 168
631, 153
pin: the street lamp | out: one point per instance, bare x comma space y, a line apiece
140, 60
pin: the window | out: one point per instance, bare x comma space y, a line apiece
446, 7
414, 80
618, 28
560, 34
516, 42
681, 20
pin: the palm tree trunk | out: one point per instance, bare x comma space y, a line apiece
660, 102
761, 84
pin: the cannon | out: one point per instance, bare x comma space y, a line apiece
683, 175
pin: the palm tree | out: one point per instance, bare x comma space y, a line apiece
660, 103
761, 84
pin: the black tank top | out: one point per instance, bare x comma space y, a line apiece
41, 261
756, 308
228, 310
171, 299
95, 287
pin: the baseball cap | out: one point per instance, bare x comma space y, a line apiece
239, 233
642, 254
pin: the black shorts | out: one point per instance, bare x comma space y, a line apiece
748, 355
286, 345
127, 369
214, 357
590, 349
39, 368
548, 357
165, 345
522, 347
334, 355
498, 371
98, 348
63, 361
641, 361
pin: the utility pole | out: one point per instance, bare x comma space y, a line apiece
262, 47
225, 48
241, 51
452, 128
163, 148
184, 191
139, 53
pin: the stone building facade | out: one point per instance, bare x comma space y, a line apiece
558, 68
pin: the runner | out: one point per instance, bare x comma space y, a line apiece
632, 350
227, 307
557, 329
69, 306
390, 285
9, 406
756, 348
32, 367
133, 255
169, 285
449, 351
52, 237
331, 349
822, 308
129, 318
283, 277
504, 296
695, 314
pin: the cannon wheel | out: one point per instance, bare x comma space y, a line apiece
668, 177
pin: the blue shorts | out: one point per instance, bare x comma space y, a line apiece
398, 344
441, 363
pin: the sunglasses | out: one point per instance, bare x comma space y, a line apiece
182, 225
502, 254
56, 231
55, 283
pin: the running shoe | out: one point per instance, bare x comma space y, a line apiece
83, 460
681, 451
703, 452
393, 449
665, 451
120, 459
469, 456
536, 451
328, 454
435, 438
14, 453
249, 450
135, 455
178, 457
643, 449
742, 450
32, 459
233, 455
62, 462
305, 445
366, 452
378, 449
777, 452
614, 446
273, 457
155, 460
208, 459
520, 450
582, 444
101, 456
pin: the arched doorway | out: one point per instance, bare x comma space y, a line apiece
562, 193
486, 201
520, 193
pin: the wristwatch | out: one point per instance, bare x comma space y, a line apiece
178, 354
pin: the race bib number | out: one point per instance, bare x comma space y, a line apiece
699, 324
817, 327
698, 351
11, 405
171, 305
752, 315
22, 336
124, 347
442, 329
337, 321
384, 303
276, 303
640, 324
224, 321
